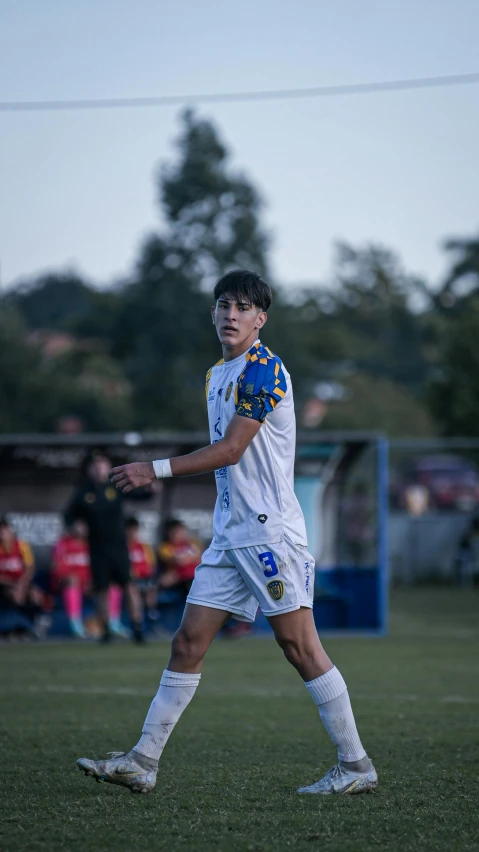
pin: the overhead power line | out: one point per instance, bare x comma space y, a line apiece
238, 97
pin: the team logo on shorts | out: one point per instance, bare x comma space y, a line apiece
276, 589
228, 391
307, 569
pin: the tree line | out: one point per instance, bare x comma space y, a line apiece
381, 348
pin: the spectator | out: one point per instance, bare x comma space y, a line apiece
99, 504
142, 562
179, 554
71, 573
18, 594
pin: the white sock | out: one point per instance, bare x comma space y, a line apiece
174, 694
330, 693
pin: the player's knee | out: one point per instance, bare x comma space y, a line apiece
187, 648
291, 650
296, 652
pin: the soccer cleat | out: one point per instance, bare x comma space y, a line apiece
120, 769
41, 626
78, 629
118, 629
342, 781
137, 636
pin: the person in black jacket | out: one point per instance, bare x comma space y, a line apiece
99, 504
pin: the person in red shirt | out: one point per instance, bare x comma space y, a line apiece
17, 568
71, 573
142, 567
180, 554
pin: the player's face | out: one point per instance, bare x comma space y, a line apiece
237, 323
99, 469
7, 535
80, 529
178, 535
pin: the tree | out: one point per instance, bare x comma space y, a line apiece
162, 333
454, 388
212, 211
139, 351
454, 394
381, 405
161, 337
371, 324
35, 391
23, 388
374, 306
463, 277
53, 301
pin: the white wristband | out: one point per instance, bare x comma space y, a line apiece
162, 468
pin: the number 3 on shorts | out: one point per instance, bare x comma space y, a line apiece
268, 563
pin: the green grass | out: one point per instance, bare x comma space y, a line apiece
251, 736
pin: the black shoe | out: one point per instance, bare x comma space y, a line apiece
105, 638
138, 636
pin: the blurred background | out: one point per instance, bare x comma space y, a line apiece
359, 208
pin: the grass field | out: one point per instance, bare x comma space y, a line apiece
251, 736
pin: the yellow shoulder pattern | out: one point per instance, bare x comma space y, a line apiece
208, 375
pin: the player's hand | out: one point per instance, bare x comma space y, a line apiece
126, 477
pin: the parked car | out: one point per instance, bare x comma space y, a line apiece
452, 482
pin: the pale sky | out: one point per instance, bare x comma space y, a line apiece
401, 169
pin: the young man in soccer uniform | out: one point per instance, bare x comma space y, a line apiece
259, 551
71, 574
180, 556
143, 569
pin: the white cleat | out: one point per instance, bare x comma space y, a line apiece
342, 781
119, 769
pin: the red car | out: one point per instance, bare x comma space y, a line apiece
452, 482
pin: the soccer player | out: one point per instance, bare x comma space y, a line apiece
17, 589
142, 562
180, 555
259, 551
71, 573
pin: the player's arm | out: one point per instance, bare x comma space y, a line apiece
75, 509
228, 451
58, 557
28, 569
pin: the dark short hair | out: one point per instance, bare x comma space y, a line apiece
91, 456
242, 284
171, 524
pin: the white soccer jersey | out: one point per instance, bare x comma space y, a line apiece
256, 502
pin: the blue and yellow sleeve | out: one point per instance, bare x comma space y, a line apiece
261, 386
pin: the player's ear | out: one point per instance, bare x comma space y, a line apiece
213, 311
261, 319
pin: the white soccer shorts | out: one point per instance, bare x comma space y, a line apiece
276, 577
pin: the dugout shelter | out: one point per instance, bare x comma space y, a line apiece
340, 481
